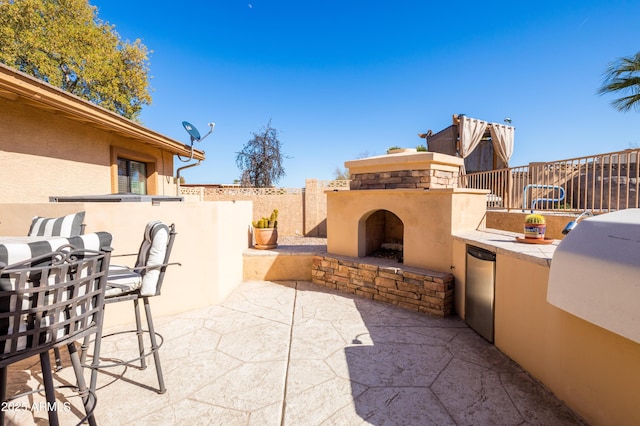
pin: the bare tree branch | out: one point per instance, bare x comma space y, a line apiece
261, 159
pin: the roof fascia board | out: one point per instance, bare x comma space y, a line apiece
38, 92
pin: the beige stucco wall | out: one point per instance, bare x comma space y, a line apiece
289, 219
594, 371
272, 265
315, 206
288, 201
302, 211
211, 239
458, 261
514, 221
44, 154
429, 218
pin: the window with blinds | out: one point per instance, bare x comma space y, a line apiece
132, 177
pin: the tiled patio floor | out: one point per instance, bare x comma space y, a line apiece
297, 354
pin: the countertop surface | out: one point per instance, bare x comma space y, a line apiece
495, 240
505, 242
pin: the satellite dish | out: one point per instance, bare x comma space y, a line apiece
195, 136
191, 129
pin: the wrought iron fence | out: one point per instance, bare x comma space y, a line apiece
601, 183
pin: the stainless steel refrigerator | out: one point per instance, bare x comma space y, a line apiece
479, 298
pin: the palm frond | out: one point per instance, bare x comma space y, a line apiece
623, 76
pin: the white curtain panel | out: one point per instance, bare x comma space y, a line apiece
502, 141
471, 131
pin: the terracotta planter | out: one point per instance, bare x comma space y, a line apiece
535, 231
266, 238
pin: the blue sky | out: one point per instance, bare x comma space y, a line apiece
342, 78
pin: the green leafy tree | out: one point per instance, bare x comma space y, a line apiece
623, 76
260, 160
65, 44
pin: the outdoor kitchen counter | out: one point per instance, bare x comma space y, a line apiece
504, 242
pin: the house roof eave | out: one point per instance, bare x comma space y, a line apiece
18, 86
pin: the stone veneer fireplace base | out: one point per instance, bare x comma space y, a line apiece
411, 201
417, 289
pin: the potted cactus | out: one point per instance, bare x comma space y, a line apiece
265, 231
534, 226
397, 150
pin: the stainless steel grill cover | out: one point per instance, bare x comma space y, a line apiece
595, 272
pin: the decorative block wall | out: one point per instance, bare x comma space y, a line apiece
303, 211
417, 289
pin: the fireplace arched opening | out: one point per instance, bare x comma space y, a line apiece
383, 235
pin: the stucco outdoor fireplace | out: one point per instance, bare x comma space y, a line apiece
407, 203
404, 205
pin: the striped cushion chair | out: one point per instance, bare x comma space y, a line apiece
51, 294
70, 225
16, 252
142, 281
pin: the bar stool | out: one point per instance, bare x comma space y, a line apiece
140, 282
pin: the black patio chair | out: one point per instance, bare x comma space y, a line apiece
142, 281
47, 302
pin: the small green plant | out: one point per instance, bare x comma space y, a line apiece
267, 222
535, 219
421, 148
392, 148
562, 206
